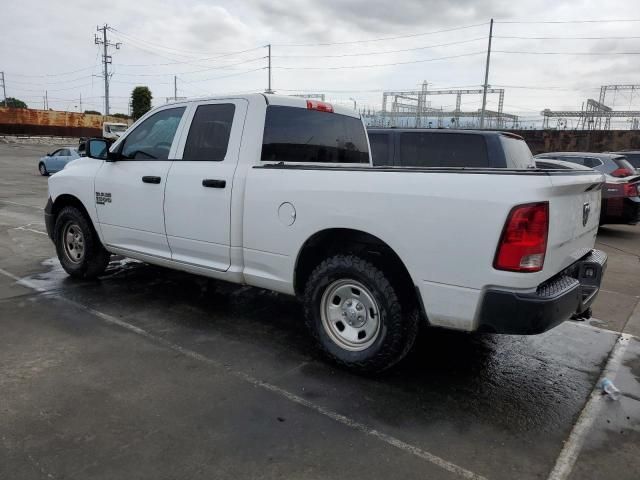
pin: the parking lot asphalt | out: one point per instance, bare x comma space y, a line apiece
151, 373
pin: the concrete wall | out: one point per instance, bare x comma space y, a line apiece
541, 141
23, 121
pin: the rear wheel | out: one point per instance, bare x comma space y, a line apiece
43, 169
77, 244
356, 315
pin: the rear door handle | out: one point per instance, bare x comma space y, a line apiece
148, 179
211, 183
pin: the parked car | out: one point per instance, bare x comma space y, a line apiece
607, 163
55, 161
428, 147
279, 193
620, 196
632, 156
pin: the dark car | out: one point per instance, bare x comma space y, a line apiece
620, 196
429, 147
608, 163
632, 156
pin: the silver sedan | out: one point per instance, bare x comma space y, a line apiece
55, 161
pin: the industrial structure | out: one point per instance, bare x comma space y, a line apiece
413, 108
596, 114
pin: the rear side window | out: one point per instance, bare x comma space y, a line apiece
294, 134
209, 133
516, 152
578, 160
426, 149
633, 159
379, 148
623, 162
592, 162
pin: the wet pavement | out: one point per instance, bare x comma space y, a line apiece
151, 373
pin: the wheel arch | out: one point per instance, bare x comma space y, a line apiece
332, 241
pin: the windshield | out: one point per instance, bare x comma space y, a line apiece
116, 128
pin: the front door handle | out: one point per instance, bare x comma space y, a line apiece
148, 179
211, 183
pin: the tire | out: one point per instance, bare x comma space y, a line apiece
335, 290
81, 254
42, 169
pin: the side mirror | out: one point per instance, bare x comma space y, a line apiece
97, 148
48, 154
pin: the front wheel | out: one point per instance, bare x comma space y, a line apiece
43, 169
355, 313
78, 246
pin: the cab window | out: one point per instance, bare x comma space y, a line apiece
152, 139
209, 133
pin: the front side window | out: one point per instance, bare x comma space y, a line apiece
426, 149
152, 139
209, 133
293, 134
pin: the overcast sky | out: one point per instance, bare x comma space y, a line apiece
196, 41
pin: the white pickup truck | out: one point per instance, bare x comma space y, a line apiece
279, 193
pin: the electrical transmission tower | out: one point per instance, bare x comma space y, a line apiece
106, 59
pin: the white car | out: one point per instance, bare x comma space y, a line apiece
279, 193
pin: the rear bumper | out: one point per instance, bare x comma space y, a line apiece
49, 218
554, 301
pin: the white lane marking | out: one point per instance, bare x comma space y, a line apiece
572, 447
27, 228
20, 204
353, 424
619, 293
21, 281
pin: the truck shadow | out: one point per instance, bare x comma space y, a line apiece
513, 383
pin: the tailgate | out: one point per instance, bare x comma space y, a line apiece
574, 216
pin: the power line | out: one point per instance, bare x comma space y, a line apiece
226, 76
564, 38
381, 39
163, 47
381, 52
226, 67
194, 62
381, 64
565, 53
567, 21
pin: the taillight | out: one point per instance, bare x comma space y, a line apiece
632, 190
523, 243
621, 172
320, 106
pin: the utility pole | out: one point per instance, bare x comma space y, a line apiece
46, 100
106, 59
268, 90
486, 77
80, 102
175, 88
4, 89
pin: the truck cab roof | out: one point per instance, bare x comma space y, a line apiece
273, 99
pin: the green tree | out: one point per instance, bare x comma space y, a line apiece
140, 101
15, 103
92, 112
